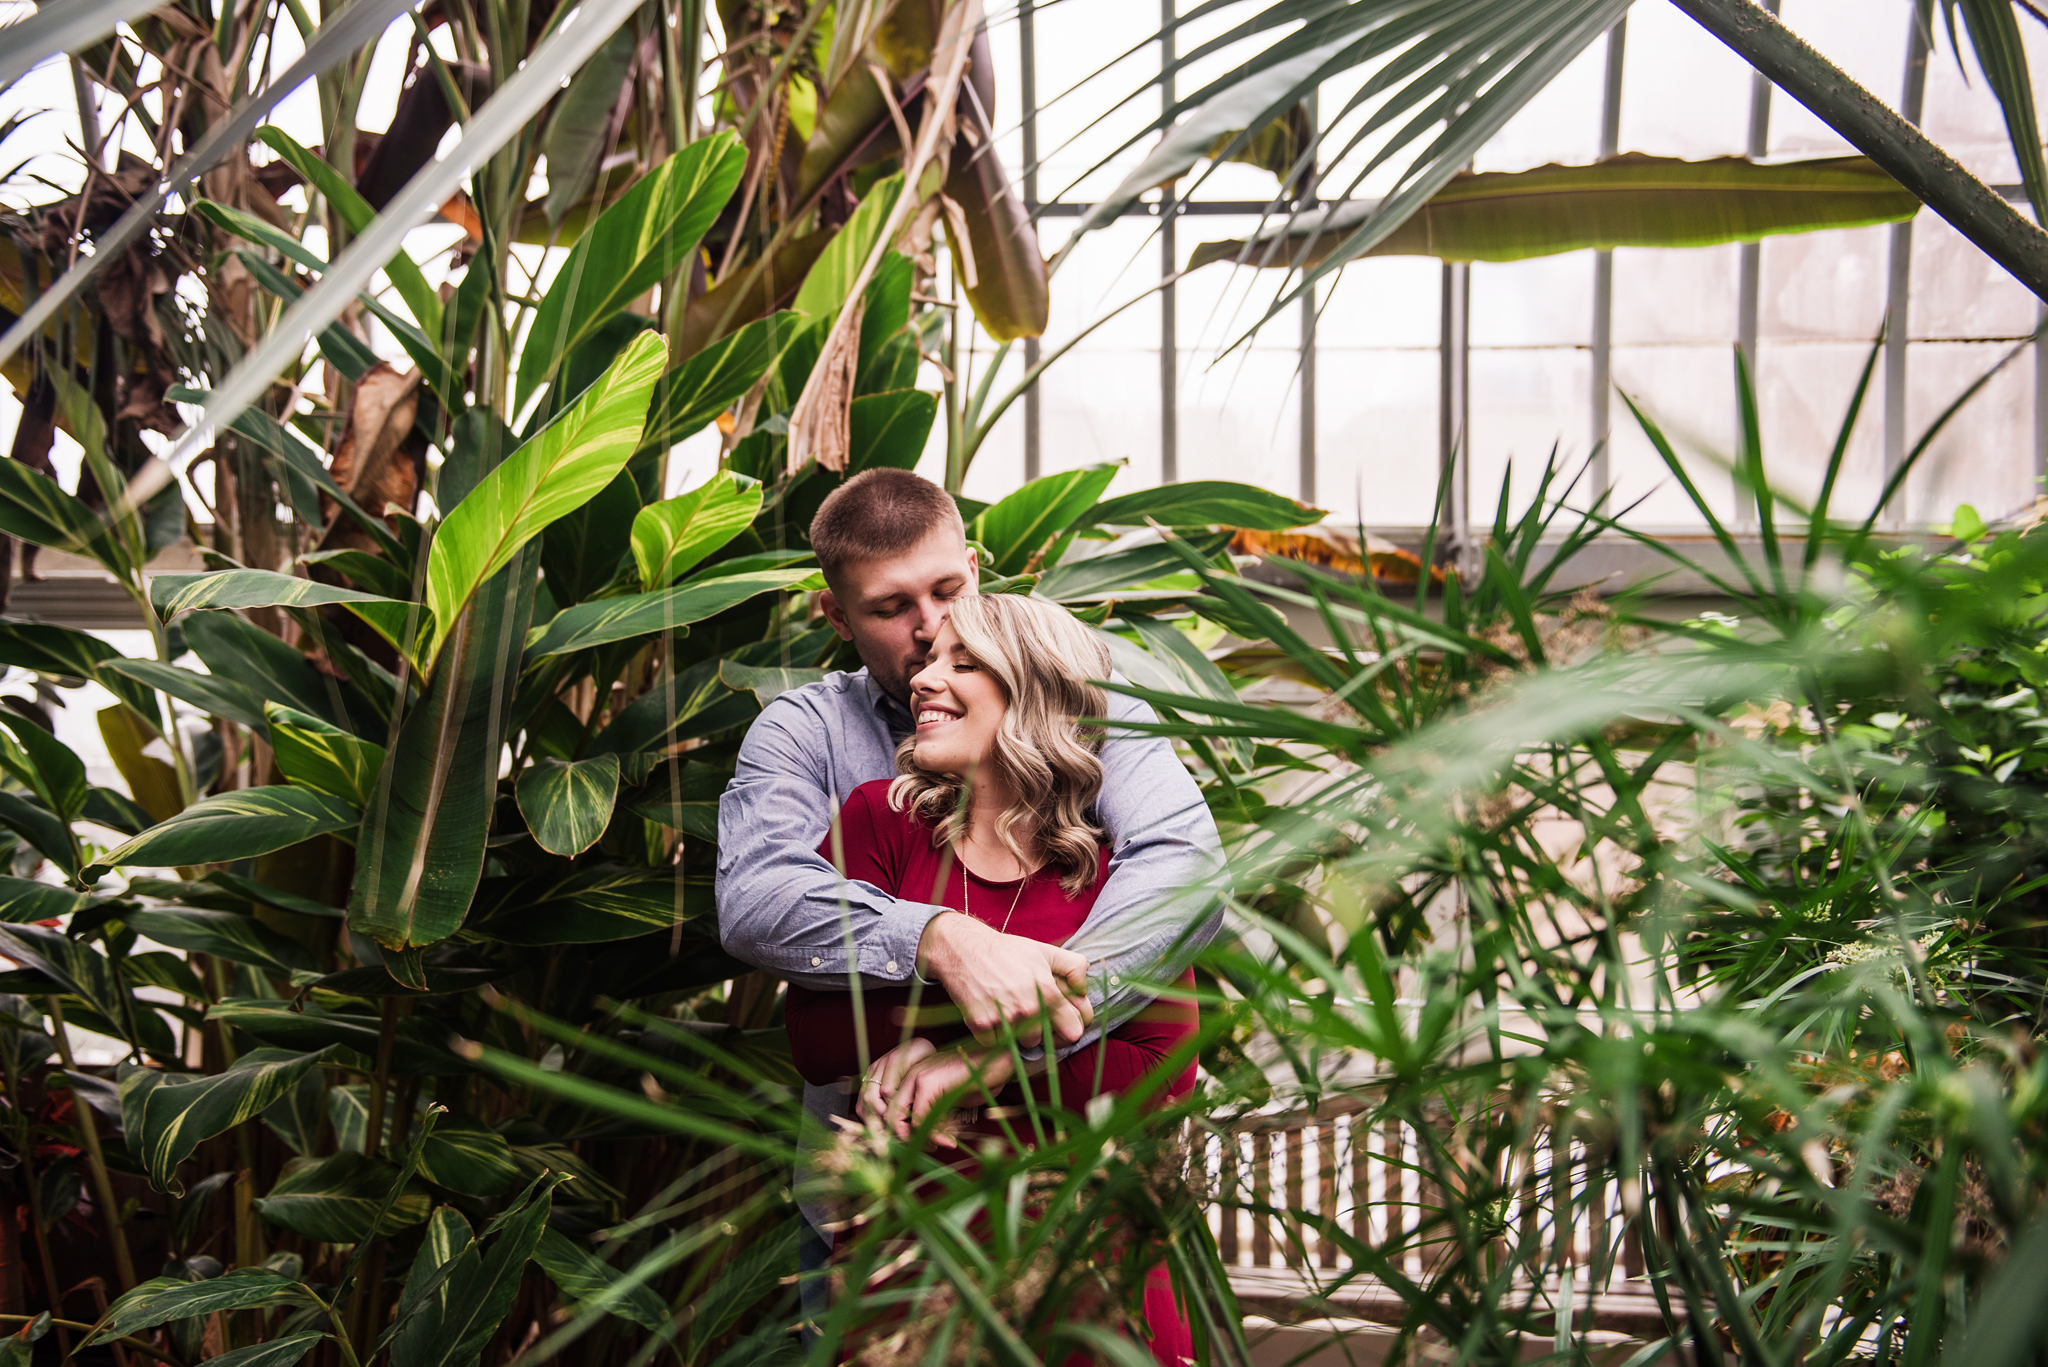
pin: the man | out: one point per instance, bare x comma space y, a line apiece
895, 556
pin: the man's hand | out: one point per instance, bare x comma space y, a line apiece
994, 978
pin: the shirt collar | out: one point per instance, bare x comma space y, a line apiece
887, 708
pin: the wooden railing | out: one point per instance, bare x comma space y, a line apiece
1280, 1181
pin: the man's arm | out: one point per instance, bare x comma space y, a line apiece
781, 906
1145, 926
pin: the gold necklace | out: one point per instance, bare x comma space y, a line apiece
967, 890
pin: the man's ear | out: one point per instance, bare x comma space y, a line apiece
973, 572
828, 603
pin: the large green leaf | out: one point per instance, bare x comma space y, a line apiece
641, 614
172, 594
566, 463
334, 1200
279, 1352
580, 132
824, 290
1202, 503
582, 552
1632, 200
419, 1047
588, 907
467, 1156
83, 973
1073, 580
585, 1281
237, 649
671, 536
456, 1297
23, 900
327, 759
709, 382
34, 508
236, 825
64, 652
567, 804
46, 765
226, 934
299, 1117
43, 829
421, 850
1023, 527
163, 1299
165, 1116
638, 240
744, 1283
211, 694
355, 211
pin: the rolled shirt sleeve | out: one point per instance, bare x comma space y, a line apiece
780, 905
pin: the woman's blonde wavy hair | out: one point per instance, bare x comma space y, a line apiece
1043, 659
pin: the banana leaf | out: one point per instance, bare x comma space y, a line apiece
1632, 200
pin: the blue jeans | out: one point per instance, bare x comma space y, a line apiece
814, 1293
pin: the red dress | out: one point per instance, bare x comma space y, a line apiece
894, 852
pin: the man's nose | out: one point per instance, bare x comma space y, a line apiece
931, 615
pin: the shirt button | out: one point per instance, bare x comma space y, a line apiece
815, 961
890, 966
1114, 980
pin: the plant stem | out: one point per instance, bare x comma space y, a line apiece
103, 1183
62, 1325
1973, 208
373, 1129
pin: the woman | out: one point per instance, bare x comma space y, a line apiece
990, 816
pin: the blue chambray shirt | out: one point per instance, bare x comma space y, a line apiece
783, 908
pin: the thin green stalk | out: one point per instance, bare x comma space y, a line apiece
102, 1181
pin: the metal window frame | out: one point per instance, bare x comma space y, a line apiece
1454, 344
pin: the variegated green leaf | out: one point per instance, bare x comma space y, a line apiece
163, 1299
642, 614
585, 1282
467, 1156
334, 1200
564, 466
63, 651
1024, 526
35, 508
313, 754
45, 765
765, 682
567, 804
171, 594
638, 240
283, 1352
709, 382
227, 934
23, 900
210, 693
167, 1116
671, 536
236, 825
589, 907
456, 1296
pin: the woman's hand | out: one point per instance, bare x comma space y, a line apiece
925, 1081
886, 1076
